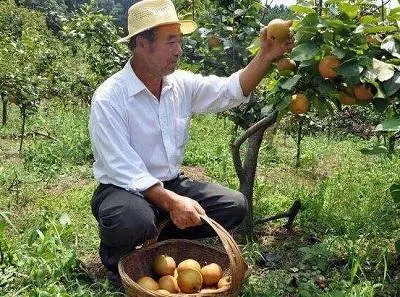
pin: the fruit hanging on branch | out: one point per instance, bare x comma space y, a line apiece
286, 66
364, 92
279, 29
213, 41
299, 104
328, 65
346, 97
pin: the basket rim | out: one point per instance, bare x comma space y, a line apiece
239, 269
169, 241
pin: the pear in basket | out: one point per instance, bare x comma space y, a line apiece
163, 265
190, 280
224, 282
148, 283
189, 263
211, 274
169, 283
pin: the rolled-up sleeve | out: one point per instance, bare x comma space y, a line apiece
214, 94
116, 162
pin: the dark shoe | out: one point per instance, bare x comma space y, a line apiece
115, 281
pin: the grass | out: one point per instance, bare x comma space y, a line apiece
342, 244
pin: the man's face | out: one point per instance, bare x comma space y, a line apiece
165, 50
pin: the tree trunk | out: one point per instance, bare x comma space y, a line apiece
246, 171
23, 112
392, 142
4, 121
299, 138
250, 168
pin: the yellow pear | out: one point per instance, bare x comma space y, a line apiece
211, 274
224, 281
190, 280
164, 265
189, 263
169, 283
148, 283
279, 29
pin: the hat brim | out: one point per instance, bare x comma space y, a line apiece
187, 27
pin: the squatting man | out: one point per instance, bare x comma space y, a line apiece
139, 127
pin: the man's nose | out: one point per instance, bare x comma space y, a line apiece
178, 50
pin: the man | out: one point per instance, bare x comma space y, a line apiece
138, 126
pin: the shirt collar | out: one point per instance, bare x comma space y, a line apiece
135, 85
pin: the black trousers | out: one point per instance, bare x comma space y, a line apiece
126, 220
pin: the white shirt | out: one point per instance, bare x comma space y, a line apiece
137, 140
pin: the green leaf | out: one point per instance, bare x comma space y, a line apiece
392, 46
283, 103
4, 215
311, 21
394, 14
350, 70
239, 12
395, 192
393, 85
338, 52
338, 24
291, 82
375, 150
379, 91
305, 51
389, 125
40, 234
254, 46
360, 29
369, 19
349, 9
323, 107
267, 109
380, 29
383, 71
301, 9
380, 104
325, 86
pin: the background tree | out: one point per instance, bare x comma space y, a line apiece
220, 47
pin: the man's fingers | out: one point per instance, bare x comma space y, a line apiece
200, 210
196, 220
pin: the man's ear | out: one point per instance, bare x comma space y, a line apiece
141, 42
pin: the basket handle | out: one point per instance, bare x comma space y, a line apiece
237, 265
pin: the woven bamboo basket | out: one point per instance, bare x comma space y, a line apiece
138, 263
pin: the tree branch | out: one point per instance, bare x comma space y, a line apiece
290, 214
235, 149
39, 134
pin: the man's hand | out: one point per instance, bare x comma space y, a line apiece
184, 211
272, 49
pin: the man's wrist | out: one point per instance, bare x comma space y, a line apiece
265, 58
170, 200
160, 196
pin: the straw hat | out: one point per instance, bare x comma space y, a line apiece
147, 14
